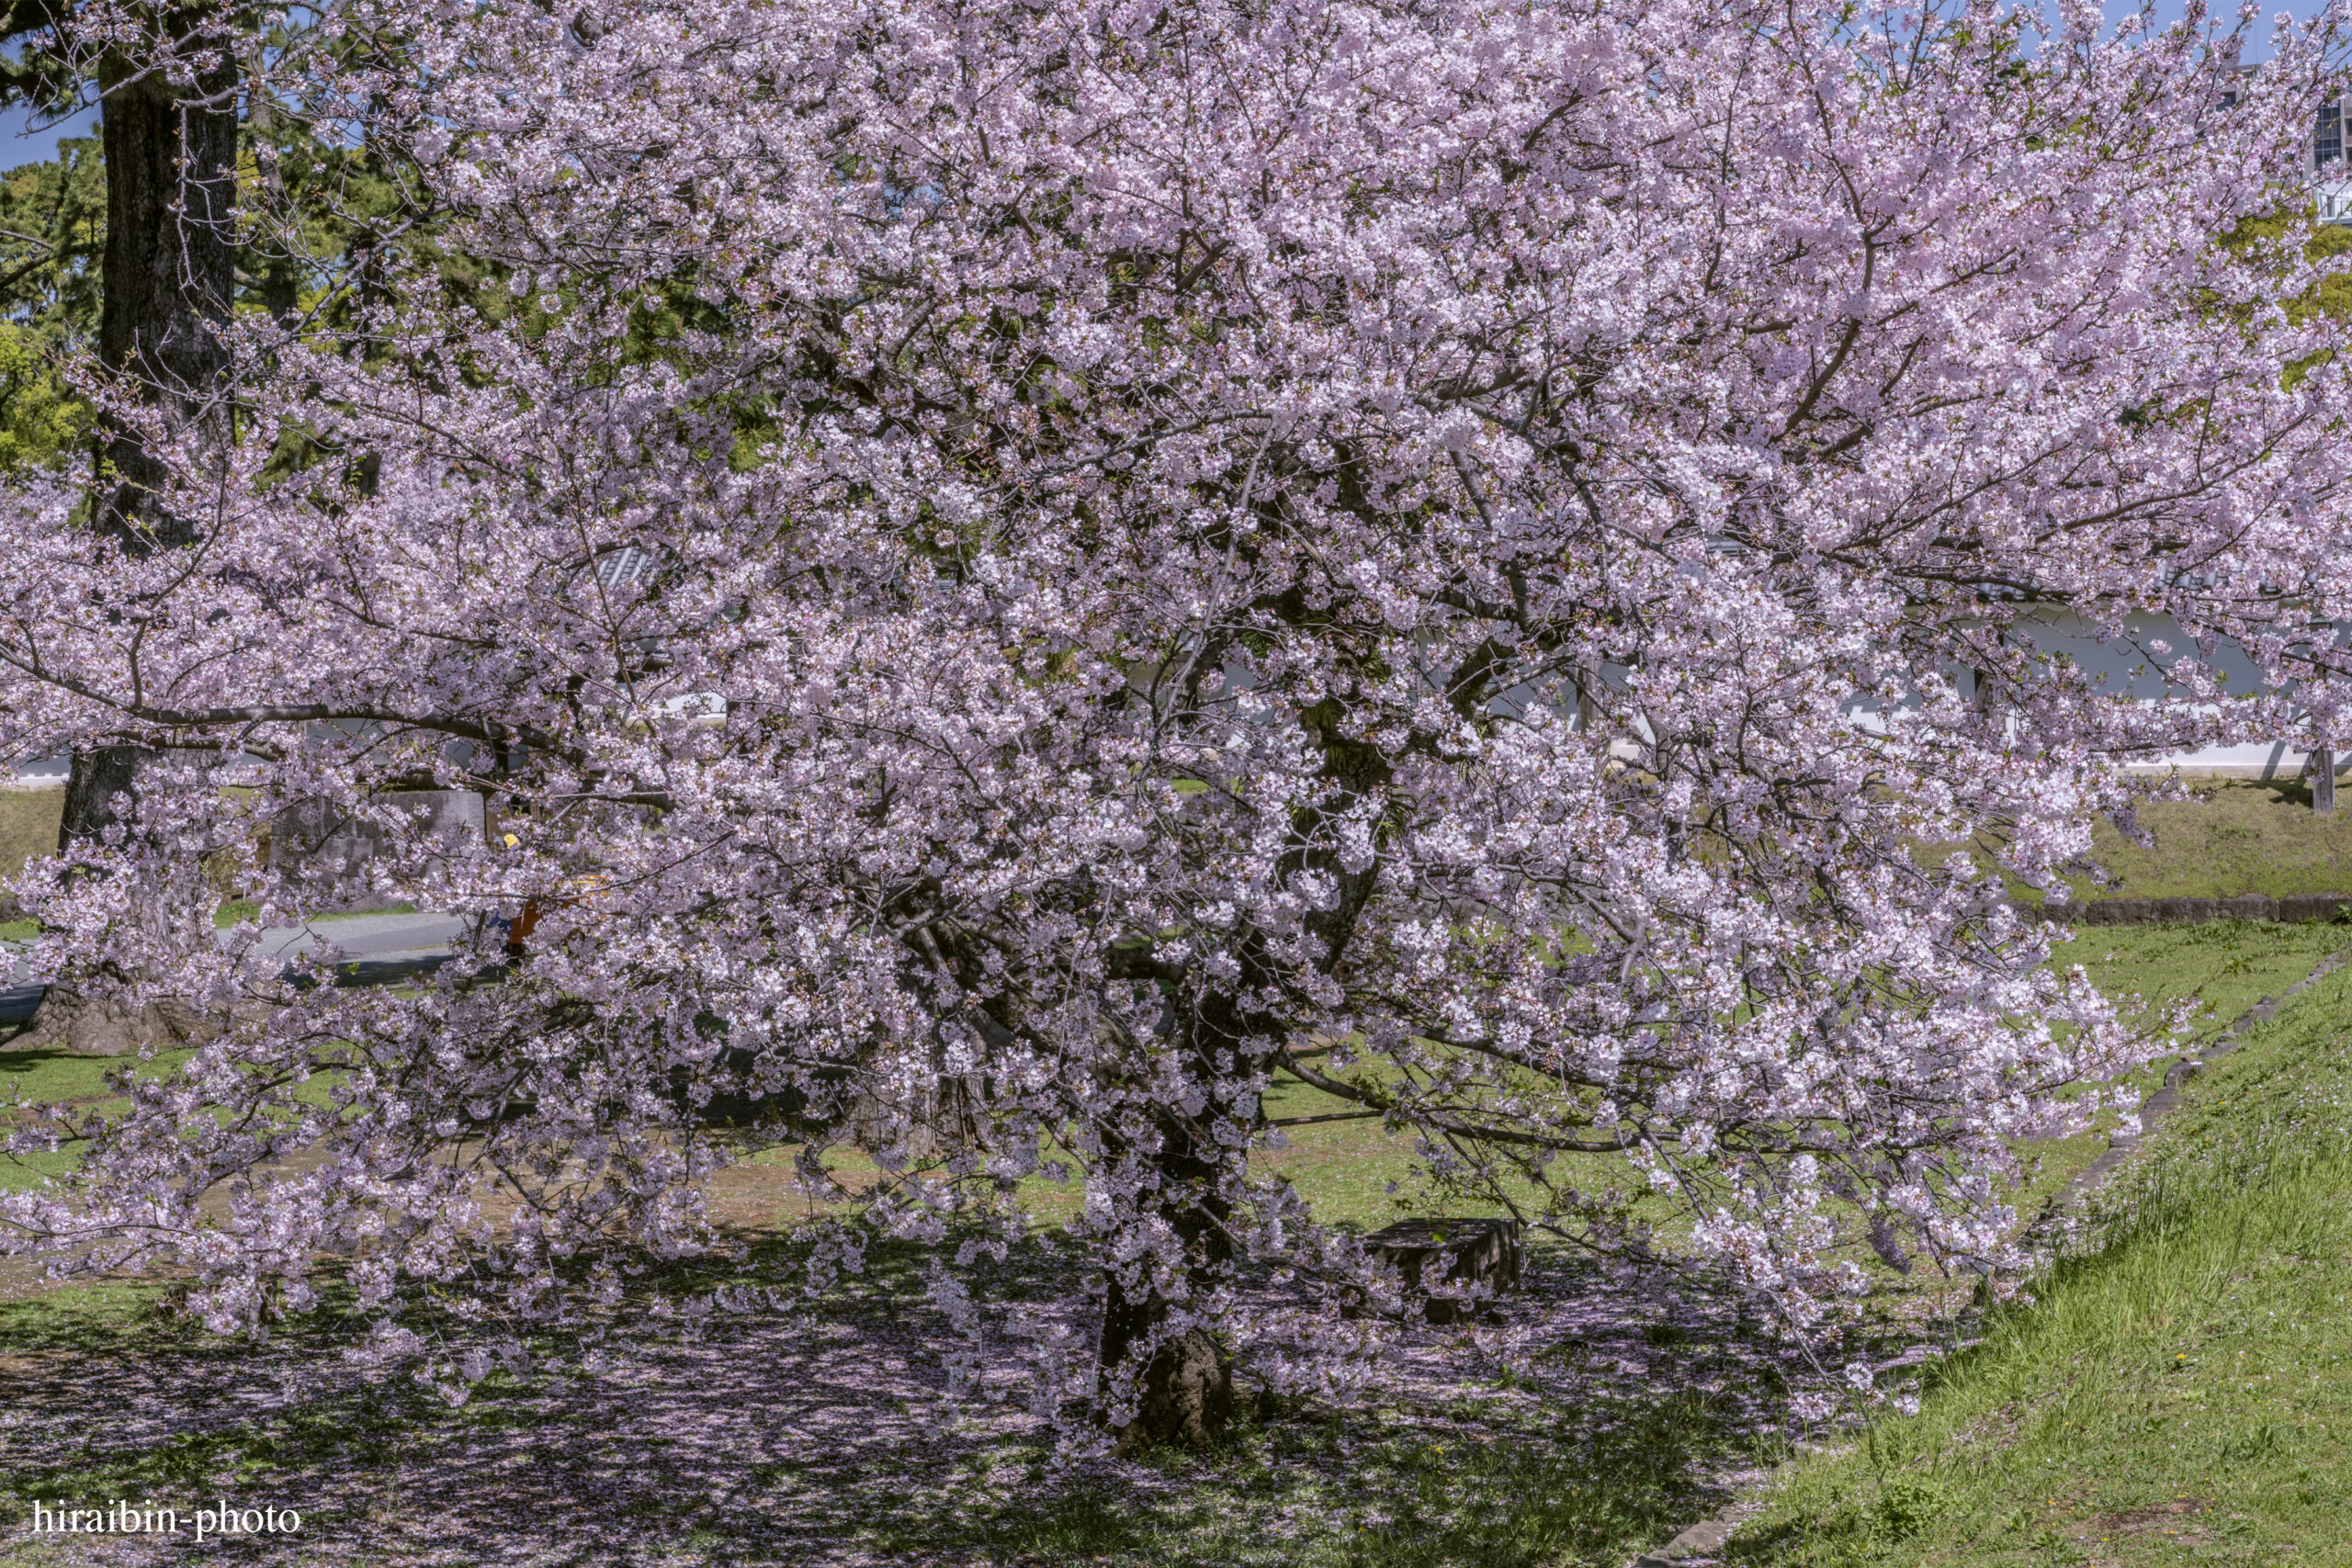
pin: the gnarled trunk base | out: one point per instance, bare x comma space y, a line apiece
87, 1026
1187, 1396
102, 792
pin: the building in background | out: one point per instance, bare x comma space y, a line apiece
2126, 662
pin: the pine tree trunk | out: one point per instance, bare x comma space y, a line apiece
168, 280
102, 791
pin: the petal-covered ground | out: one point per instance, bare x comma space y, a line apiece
1596, 1412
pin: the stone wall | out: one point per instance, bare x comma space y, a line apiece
2294, 907
318, 835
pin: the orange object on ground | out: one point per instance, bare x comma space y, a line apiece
521, 927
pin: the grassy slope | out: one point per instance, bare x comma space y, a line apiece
2183, 1394
2220, 967
2229, 839
27, 828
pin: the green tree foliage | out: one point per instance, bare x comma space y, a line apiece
41, 422
329, 223
2322, 244
53, 239
323, 225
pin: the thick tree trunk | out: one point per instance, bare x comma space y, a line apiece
169, 278
170, 274
1186, 1392
95, 1026
1184, 1388
1188, 1388
1187, 1385
103, 790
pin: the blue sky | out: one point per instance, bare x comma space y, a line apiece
21, 141
27, 145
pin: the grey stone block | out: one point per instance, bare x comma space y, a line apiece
1438, 1252
2184, 909
2312, 906
2116, 912
2251, 906
1704, 1537
319, 835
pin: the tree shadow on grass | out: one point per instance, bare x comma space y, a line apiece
1595, 1414
1353, 1490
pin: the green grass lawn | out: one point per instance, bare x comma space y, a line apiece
2228, 839
27, 828
231, 910
55, 1078
2184, 1394
2222, 966
49, 1077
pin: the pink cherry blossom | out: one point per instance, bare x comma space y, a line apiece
1453, 553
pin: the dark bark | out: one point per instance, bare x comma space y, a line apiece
1187, 1396
1187, 1384
103, 792
169, 277
168, 280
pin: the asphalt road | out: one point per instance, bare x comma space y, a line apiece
383, 946
365, 936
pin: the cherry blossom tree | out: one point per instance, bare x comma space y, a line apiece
1019, 576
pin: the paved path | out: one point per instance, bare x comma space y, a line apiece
383, 946
367, 936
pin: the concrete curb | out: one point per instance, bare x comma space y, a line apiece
1708, 1536
2294, 907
